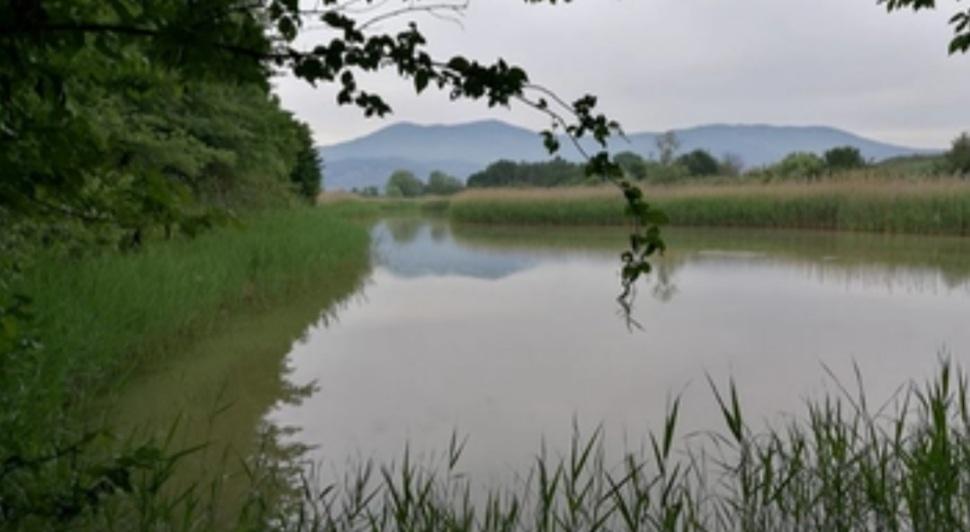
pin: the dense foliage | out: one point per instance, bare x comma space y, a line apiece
551, 173
442, 184
403, 183
844, 158
125, 119
805, 165
958, 158
633, 165
699, 163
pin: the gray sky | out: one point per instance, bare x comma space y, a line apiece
662, 64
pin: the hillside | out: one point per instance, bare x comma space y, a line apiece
462, 149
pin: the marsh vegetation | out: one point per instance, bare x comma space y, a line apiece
192, 337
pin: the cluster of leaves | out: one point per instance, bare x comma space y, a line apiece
119, 120
206, 39
695, 164
811, 166
958, 158
103, 129
503, 173
844, 158
119, 117
960, 43
442, 184
404, 184
560, 172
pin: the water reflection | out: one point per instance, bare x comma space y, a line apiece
217, 392
414, 246
508, 333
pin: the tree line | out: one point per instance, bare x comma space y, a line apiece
669, 166
404, 184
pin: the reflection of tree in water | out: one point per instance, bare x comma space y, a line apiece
405, 230
439, 230
664, 287
219, 392
907, 262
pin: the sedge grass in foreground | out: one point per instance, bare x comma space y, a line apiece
101, 318
840, 466
921, 207
94, 315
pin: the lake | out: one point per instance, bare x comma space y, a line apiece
513, 338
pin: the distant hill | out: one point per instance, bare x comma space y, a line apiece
463, 149
758, 145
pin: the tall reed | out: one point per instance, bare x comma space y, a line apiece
839, 466
921, 207
100, 316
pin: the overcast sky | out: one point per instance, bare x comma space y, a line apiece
663, 64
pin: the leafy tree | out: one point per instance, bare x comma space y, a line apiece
443, 184
958, 158
403, 183
556, 172
960, 21
667, 146
633, 165
804, 165
844, 158
307, 173
53, 50
699, 163
112, 117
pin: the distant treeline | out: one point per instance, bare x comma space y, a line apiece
404, 184
671, 167
556, 172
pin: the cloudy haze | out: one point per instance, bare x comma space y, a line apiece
663, 64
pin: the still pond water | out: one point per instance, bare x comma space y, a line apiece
511, 336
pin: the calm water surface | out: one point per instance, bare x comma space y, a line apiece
512, 335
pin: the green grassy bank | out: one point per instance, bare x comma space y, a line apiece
100, 316
353, 206
921, 207
103, 318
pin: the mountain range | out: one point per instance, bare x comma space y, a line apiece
463, 149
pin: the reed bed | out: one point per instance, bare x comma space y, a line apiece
100, 316
896, 206
350, 205
841, 465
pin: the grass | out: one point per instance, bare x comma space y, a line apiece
103, 317
841, 465
97, 314
900, 206
354, 206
